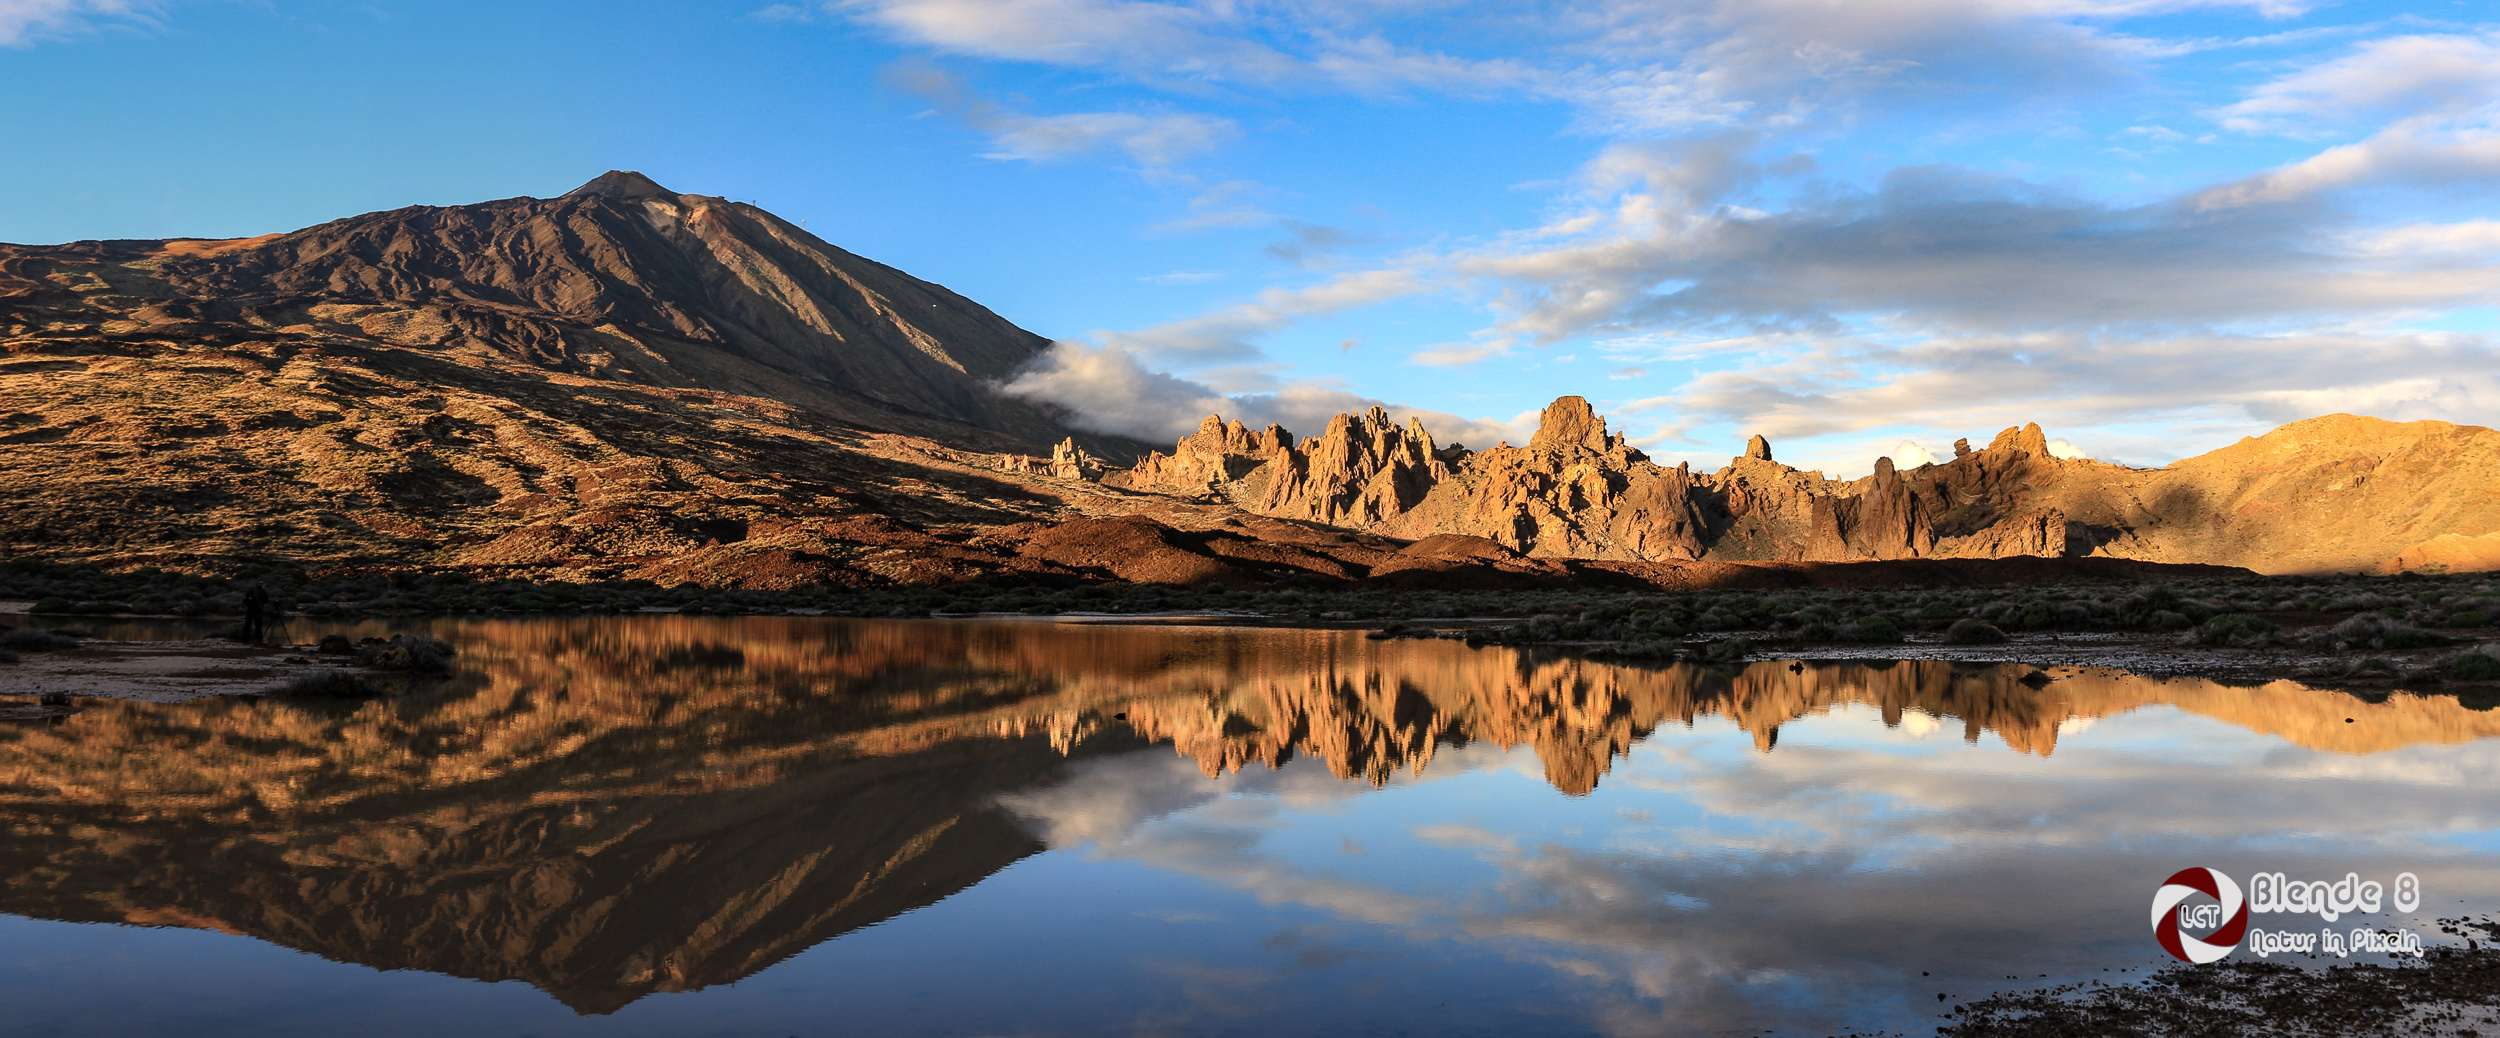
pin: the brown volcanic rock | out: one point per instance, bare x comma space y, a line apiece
1359, 472
1205, 461
2330, 494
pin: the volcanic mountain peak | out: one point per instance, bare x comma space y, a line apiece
622, 183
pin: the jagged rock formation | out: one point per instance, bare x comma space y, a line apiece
2330, 494
1069, 461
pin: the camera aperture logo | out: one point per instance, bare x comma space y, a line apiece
2224, 922
2171, 915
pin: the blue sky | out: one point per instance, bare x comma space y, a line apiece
1858, 228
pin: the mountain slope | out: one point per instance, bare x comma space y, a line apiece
620, 381
620, 280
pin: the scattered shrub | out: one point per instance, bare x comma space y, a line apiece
2470, 618
2169, 621
2235, 629
28, 639
1940, 610
2376, 631
1972, 632
2474, 666
52, 605
1877, 628
2039, 614
335, 645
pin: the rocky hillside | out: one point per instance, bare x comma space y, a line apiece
622, 380
2333, 494
620, 280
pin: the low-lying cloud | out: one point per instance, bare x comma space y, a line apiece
1106, 389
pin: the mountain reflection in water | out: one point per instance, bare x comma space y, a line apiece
606, 808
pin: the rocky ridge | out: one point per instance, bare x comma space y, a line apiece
2333, 494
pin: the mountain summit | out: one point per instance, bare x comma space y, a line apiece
620, 279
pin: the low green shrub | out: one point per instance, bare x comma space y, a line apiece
2469, 618
1877, 628
1972, 632
2235, 629
52, 605
29, 639
2474, 666
1941, 610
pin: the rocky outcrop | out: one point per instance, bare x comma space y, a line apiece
2338, 493
1069, 461
1359, 472
1203, 462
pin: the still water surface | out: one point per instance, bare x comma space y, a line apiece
794, 826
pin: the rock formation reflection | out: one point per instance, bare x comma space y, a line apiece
606, 808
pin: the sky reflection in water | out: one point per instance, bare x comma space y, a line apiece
798, 827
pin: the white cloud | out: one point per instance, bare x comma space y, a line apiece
1458, 354
1227, 333
2409, 152
1628, 66
1156, 141
24, 21
2435, 98
1106, 389
2064, 449
1183, 277
2404, 77
1635, 371
1909, 455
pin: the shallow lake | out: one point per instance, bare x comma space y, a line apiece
802, 826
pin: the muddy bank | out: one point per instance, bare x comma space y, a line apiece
2450, 990
157, 672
